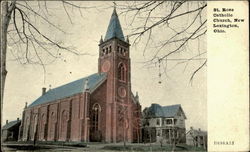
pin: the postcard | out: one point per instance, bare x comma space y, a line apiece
124, 76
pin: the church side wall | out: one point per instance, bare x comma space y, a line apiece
33, 123
53, 120
42, 129
64, 118
75, 119
99, 97
52, 123
31, 127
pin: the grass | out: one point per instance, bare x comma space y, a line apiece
44, 144
153, 147
191, 148
133, 147
62, 143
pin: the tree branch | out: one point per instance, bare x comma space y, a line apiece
191, 79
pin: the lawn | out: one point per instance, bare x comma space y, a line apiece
151, 147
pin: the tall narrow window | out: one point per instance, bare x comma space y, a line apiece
118, 49
121, 72
96, 116
110, 49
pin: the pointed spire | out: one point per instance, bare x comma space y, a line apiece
137, 97
114, 29
101, 40
127, 40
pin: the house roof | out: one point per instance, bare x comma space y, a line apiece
71, 88
114, 28
11, 124
156, 110
195, 132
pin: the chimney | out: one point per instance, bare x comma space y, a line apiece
191, 128
17, 119
199, 129
7, 121
43, 91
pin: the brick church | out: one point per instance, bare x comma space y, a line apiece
98, 108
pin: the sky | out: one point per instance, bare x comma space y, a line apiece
24, 82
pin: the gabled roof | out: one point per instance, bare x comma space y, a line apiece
71, 88
11, 124
156, 110
114, 28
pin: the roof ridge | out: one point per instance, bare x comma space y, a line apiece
73, 81
172, 105
69, 89
157, 110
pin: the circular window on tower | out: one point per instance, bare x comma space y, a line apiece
122, 91
106, 66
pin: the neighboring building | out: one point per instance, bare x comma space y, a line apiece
197, 138
99, 107
10, 130
164, 124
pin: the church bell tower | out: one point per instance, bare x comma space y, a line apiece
115, 61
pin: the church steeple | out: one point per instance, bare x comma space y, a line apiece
114, 60
114, 51
114, 29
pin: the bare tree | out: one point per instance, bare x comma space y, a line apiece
31, 44
183, 24
122, 117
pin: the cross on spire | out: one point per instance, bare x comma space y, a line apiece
114, 28
114, 4
114, 11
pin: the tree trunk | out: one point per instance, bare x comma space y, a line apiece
6, 16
